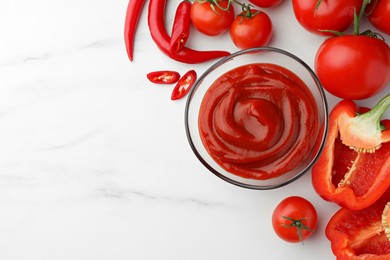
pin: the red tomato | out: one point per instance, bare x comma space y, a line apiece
294, 219
253, 31
330, 15
353, 67
266, 3
208, 18
379, 16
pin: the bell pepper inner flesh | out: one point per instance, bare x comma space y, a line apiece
378, 245
359, 234
346, 161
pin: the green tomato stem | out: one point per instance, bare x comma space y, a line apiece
298, 224
357, 18
318, 4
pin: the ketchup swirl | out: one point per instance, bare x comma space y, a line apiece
258, 121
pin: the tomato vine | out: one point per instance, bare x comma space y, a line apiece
356, 22
246, 8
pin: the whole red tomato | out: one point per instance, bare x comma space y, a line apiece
266, 3
210, 18
379, 15
333, 15
251, 30
353, 67
294, 219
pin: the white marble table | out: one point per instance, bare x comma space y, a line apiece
94, 161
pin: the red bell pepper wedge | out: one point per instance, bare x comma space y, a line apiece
181, 26
163, 77
353, 169
133, 13
184, 85
361, 234
160, 36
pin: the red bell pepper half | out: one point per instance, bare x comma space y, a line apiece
163, 77
361, 234
353, 169
184, 85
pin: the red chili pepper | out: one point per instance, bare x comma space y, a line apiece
159, 34
163, 77
181, 26
184, 85
361, 234
353, 169
133, 14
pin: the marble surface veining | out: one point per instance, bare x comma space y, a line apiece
94, 161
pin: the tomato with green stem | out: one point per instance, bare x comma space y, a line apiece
294, 219
251, 28
212, 17
320, 17
354, 66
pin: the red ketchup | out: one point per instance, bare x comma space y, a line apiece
258, 121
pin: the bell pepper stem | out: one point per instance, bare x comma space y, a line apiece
363, 133
374, 115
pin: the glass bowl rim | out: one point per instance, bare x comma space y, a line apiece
221, 62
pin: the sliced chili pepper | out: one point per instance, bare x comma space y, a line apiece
353, 169
133, 13
181, 26
361, 234
184, 85
163, 77
159, 34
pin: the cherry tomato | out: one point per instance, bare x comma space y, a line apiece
266, 3
163, 77
379, 15
330, 15
353, 67
253, 30
184, 85
294, 219
210, 18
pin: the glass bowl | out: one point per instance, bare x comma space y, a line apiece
275, 57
